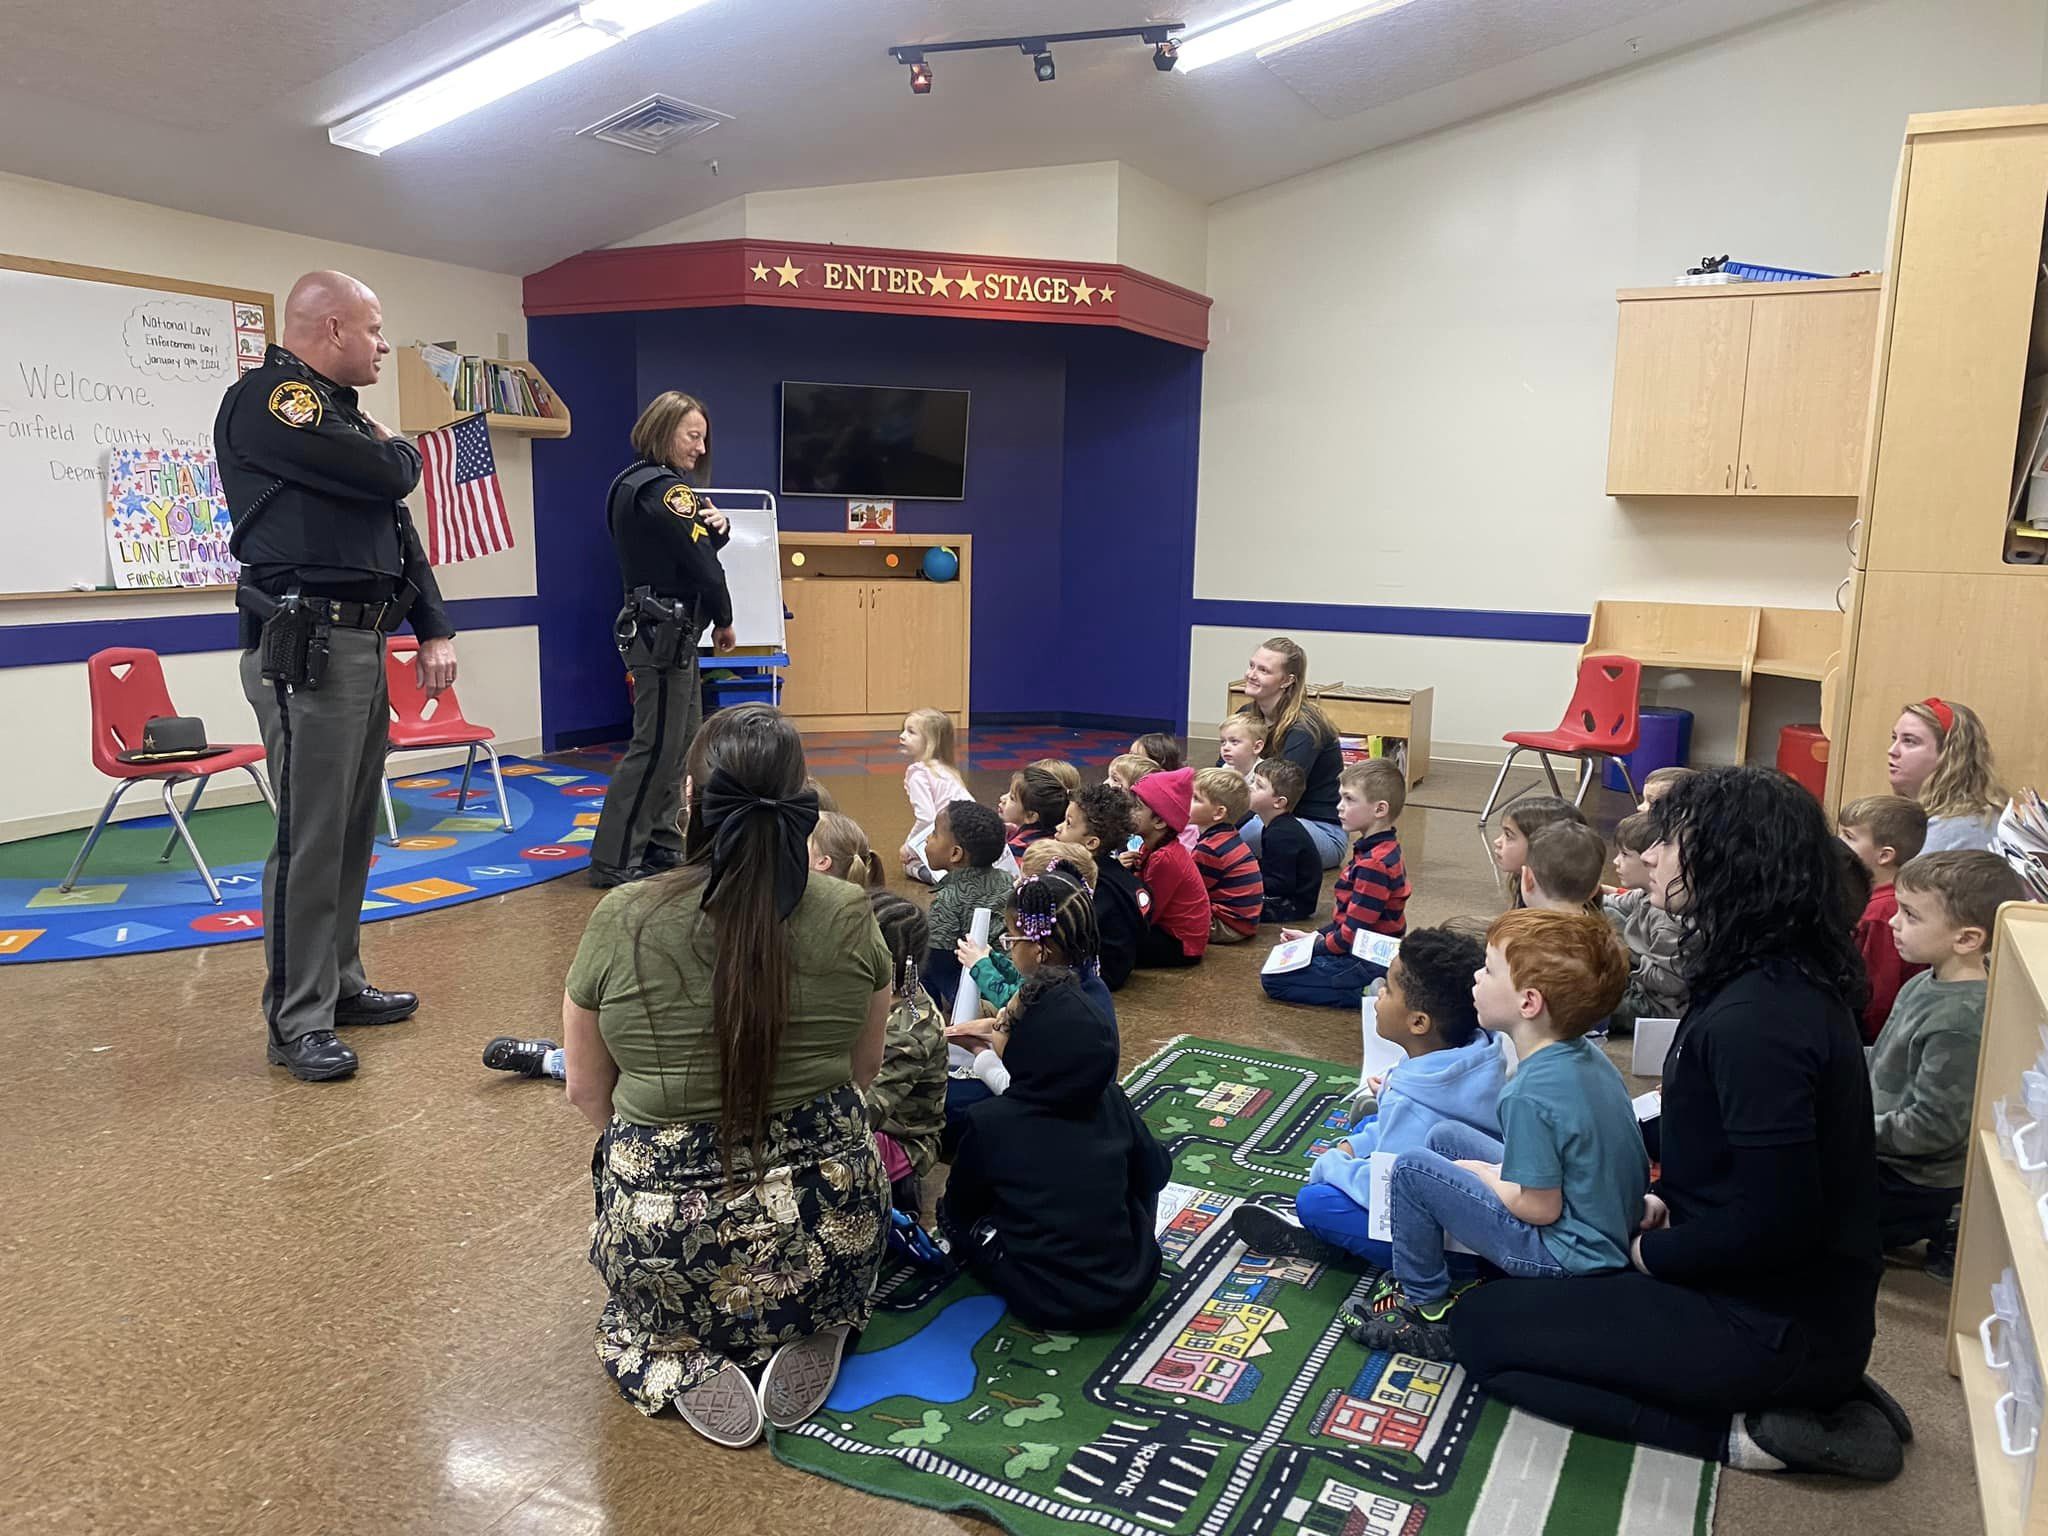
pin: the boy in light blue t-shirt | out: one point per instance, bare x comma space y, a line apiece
1562, 1192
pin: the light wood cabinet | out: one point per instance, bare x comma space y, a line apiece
1756, 389
869, 638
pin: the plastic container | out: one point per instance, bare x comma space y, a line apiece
1761, 274
1803, 753
1664, 741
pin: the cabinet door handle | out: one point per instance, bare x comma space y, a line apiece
1748, 478
1840, 592
1728, 480
1851, 539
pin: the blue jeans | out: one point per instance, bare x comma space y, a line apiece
1335, 1217
1434, 1198
1328, 981
1331, 840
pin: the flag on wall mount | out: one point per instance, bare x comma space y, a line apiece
466, 514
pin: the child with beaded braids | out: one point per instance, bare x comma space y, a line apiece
1049, 920
907, 1100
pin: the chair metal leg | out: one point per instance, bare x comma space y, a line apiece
390, 816
1501, 778
498, 777
198, 789
462, 794
1589, 765
1628, 779
263, 787
1550, 773
120, 789
185, 832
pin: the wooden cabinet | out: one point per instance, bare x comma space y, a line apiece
870, 639
1747, 390
1678, 378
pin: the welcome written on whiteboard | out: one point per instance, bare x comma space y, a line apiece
42, 381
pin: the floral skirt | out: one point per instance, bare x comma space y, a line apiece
701, 1272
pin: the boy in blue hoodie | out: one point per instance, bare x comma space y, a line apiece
1454, 1071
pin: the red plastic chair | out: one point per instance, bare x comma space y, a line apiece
1602, 721
420, 724
126, 685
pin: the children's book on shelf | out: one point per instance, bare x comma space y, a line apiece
2021, 840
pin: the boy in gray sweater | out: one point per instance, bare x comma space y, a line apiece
1656, 989
1923, 1069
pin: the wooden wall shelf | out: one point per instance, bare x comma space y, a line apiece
425, 405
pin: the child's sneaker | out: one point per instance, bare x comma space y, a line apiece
1269, 1232
526, 1057
1421, 1328
1941, 1251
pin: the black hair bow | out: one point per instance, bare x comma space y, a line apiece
725, 808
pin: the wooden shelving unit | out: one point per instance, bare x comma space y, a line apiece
425, 405
2001, 1221
1399, 714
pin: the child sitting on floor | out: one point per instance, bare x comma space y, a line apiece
965, 847
1561, 871
1371, 895
1656, 986
1032, 806
1230, 875
1290, 864
1661, 781
931, 782
839, 848
1923, 1070
1885, 832
1099, 820
1126, 770
1520, 822
907, 1100
1241, 742
1561, 1192
1453, 1072
1161, 750
1054, 1189
1178, 931
1068, 775
1050, 920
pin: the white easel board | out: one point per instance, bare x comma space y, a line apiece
753, 566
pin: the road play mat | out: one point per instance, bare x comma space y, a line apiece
130, 901
1234, 1405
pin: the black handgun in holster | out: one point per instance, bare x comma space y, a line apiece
294, 639
669, 629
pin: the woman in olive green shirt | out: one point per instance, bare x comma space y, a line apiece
720, 1022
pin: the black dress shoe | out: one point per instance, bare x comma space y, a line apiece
370, 1006
605, 876
659, 861
314, 1058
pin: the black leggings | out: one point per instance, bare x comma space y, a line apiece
1638, 1359
1158, 950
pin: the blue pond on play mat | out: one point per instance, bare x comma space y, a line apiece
444, 858
936, 1363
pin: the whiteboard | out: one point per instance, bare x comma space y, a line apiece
752, 559
92, 361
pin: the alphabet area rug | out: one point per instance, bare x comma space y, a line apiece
1233, 1405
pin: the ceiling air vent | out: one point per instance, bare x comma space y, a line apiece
653, 123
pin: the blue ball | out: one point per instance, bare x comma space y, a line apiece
941, 564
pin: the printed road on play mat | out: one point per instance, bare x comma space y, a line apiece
1234, 1405
128, 902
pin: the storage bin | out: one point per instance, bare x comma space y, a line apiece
1803, 753
1664, 740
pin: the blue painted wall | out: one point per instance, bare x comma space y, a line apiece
1080, 490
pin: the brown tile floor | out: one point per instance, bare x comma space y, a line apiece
232, 1301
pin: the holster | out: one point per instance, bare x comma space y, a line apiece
293, 640
668, 629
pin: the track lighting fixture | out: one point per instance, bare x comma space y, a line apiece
1165, 50
920, 79
1165, 55
1041, 63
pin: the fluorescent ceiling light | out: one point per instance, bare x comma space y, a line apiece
1256, 29
511, 66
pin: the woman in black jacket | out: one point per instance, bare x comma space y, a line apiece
1742, 1332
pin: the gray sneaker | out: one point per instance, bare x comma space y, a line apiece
799, 1377
724, 1410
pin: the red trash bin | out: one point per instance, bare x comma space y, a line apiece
1803, 753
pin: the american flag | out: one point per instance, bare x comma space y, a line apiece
465, 505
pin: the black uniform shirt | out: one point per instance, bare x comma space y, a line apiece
332, 520
664, 543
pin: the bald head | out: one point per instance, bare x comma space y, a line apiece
336, 326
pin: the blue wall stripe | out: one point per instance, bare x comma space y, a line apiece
44, 645
1369, 619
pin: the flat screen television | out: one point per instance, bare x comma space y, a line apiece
874, 443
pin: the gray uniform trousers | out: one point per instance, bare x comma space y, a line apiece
326, 749
642, 803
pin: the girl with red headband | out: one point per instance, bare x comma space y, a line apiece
1941, 757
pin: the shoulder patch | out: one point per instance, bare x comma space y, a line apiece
681, 500
296, 404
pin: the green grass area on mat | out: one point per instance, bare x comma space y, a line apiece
1013, 1438
226, 834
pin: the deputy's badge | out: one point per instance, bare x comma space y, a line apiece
681, 500
296, 404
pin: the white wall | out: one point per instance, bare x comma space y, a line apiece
1161, 231
1412, 352
422, 300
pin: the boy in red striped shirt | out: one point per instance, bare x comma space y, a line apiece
1230, 870
1371, 895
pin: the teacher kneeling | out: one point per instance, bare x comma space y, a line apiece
720, 1022
1742, 1331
